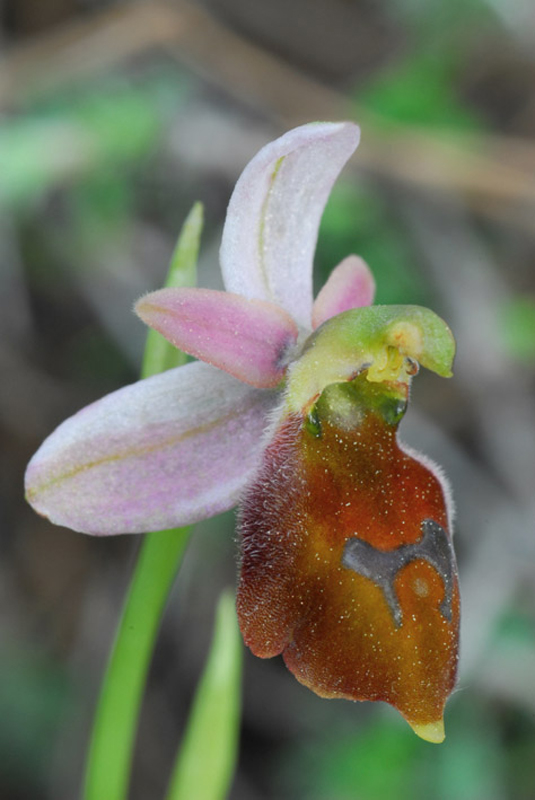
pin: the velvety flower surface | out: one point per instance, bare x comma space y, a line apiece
347, 566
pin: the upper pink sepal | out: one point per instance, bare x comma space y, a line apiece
350, 285
166, 451
274, 213
249, 339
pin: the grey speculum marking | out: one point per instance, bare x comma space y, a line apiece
382, 566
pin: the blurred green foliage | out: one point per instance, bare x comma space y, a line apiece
75, 163
387, 761
517, 326
90, 353
95, 135
420, 90
516, 627
358, 221
434, 23
35, 694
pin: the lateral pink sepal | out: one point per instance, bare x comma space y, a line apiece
166, 451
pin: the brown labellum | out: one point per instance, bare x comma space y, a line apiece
347, 564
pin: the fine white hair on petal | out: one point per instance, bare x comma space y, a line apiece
166, 451
274, 213
439, 474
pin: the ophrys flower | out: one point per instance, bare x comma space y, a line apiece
347, 565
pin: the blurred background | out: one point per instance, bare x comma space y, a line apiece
114, 118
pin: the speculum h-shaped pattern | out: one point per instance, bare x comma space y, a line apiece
383, 566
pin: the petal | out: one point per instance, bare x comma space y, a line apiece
250, 339
274, 213
166, 451
347, 564
350, 285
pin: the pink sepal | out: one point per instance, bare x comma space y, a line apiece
274, 213
166, 451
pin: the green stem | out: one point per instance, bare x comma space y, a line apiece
112, 741
114, 728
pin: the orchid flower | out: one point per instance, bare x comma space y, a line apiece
292, 410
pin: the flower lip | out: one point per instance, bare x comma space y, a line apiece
348, 568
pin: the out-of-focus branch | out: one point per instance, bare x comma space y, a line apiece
495, 174
87, 47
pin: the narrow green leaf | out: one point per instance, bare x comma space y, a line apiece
206, 761
112, 742
159, 354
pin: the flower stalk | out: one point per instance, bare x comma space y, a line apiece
114, 729
113, 735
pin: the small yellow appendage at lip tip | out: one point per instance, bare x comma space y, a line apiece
430, 731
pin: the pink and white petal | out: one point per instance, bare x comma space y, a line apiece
274, 213
249, 339
166, 451
350, 285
